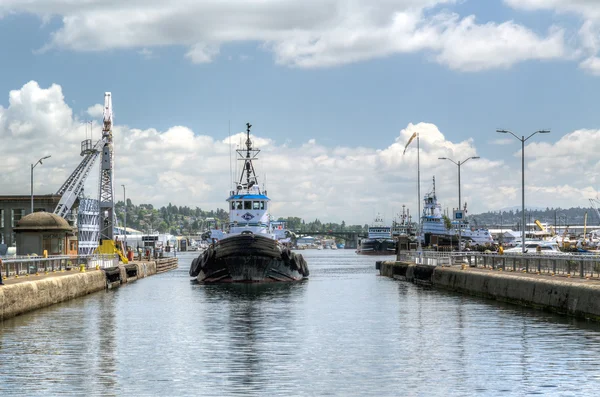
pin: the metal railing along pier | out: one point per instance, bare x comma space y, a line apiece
24, 265
581, 265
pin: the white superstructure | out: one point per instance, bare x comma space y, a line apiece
379, 230
433, 223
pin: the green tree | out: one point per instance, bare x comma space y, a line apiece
162, 227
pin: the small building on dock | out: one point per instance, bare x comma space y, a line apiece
44, 231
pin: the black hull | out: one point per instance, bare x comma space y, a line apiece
377, 247
248, 259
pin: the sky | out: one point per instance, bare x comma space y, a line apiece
333, 88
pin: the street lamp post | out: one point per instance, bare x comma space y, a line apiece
32, 167
459, 198
523, 140
125, 219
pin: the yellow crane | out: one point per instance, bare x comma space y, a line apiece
539, 224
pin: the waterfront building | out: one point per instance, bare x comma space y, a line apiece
15, 207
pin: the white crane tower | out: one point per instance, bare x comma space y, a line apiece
107, 204
96, 218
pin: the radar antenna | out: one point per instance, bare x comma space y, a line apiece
247, 155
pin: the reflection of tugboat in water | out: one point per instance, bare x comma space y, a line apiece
250, 251
379, 240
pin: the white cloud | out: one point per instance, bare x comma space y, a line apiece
502, 141
300, 33
202, 53
466, 45
96, 110
587, 8
146, 53
310, 181
589, 34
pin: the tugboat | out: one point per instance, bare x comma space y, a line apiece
250, 251
434, 226
379, 240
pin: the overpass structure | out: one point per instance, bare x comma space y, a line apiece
351, 236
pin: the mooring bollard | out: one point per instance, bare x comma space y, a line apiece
82, 268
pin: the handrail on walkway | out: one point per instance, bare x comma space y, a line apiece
583, 265
25, 265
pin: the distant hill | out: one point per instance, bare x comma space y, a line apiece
558, 216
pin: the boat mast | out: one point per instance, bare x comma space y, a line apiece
247, 156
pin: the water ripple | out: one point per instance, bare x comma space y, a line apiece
344, 332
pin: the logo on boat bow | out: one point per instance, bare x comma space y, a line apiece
247, 216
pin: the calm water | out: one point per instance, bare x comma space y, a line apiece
344, 332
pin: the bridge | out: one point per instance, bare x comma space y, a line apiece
350, 236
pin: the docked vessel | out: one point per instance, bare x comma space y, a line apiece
404, 227
250, 251
379, 239
435, 229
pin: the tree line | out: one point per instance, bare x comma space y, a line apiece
184, 220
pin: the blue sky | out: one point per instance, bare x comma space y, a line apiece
364, 98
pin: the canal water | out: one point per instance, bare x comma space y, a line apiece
344, 332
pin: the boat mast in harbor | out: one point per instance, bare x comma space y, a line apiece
250, 154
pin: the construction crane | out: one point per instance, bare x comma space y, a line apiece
106, 173
542, 228
73, 186
106, 188
73, 189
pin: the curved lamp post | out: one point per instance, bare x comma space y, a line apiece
32, 167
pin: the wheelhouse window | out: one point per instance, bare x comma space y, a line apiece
233, 205
238, 204
256, 205
262, 205
247, 205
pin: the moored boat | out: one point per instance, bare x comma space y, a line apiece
436, 229
379, 240
250, 251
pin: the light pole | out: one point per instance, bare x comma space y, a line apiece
32, 167
459, 199
125, 219
523, 140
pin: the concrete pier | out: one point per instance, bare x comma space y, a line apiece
25, 294
578, 297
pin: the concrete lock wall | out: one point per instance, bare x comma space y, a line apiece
20, 298
574, 297
568, 297
30, 295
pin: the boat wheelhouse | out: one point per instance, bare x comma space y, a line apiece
379, 239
